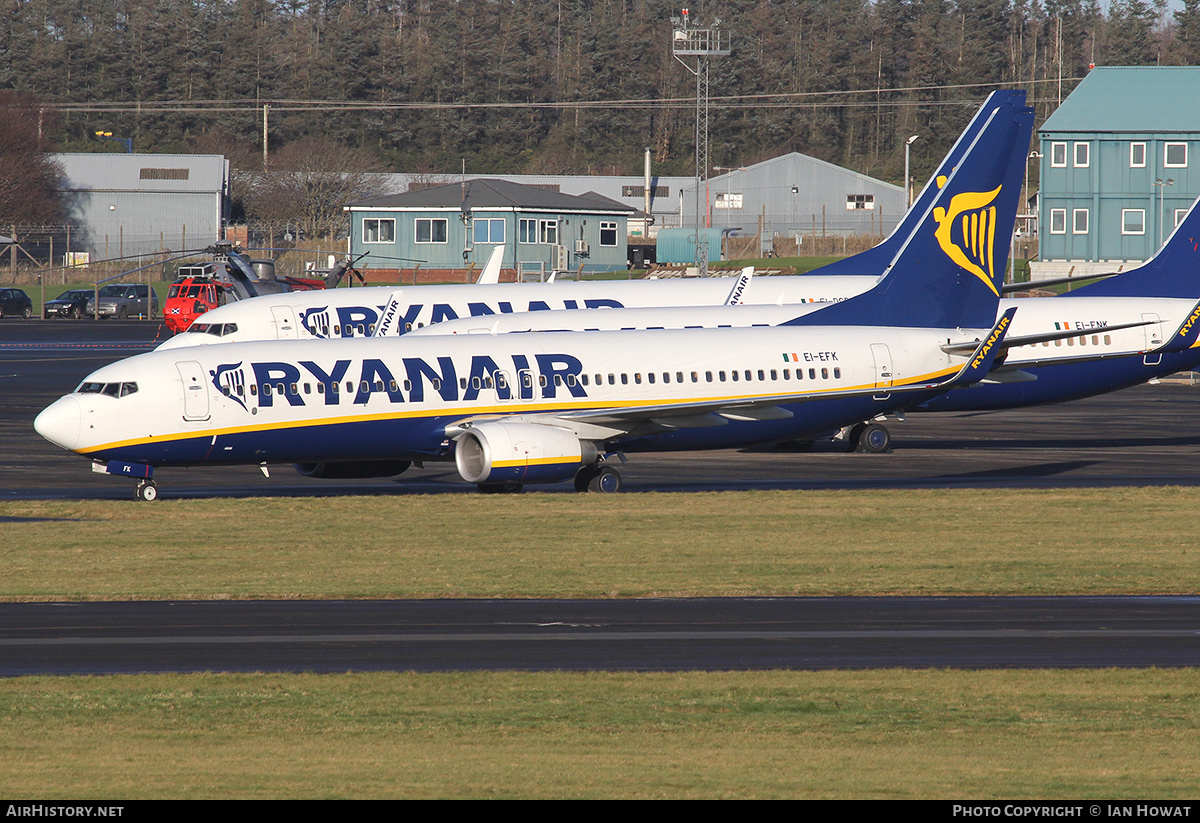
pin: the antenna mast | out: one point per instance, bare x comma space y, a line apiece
690, 40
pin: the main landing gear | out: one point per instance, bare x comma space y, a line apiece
869, 438
598, 478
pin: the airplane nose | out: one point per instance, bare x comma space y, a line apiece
59, 422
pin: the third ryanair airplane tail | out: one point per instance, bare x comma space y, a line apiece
960, 236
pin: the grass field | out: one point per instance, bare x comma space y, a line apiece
870, 734
1089, 541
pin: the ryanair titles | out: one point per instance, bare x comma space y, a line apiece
410, 380
351, 321
996, 334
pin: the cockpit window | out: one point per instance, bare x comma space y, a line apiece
111, 389
215, 329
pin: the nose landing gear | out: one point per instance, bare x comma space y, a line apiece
146, 490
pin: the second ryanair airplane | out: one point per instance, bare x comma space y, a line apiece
386, 311
517, 409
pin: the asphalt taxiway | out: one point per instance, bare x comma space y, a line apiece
611, 635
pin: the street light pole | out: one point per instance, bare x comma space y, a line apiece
127, 142
907, 187
1162, 191
1012, 254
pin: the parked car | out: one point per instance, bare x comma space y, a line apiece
72, 303
124, 300
14, 302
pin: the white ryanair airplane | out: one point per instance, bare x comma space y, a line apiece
386, 311
517, 409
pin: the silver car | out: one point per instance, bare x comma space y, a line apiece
124, 300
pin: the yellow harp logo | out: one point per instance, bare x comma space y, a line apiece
967, 233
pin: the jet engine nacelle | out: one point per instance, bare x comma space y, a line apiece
520, 453
353, 470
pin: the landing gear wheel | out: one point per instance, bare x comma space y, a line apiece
145, 490
606, 480
854, 437
874, 439
583, 477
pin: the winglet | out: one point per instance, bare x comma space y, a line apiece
738, 292
491, 272
389, 321
1185, 336
981, 362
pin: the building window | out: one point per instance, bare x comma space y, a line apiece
1083, 154
538, 231
1133, 221
488, 230
640, 191
1058, 155
1079, 221
527, 230
1175, 156
608, 234
431, 230
1058, 221
163, 174
1179, 215
1137, 155
858, 202
379, 231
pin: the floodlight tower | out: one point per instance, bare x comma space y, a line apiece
690, 40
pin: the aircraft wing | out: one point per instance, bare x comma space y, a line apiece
615, 420
1033, 339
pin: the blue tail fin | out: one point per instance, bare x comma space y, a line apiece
1173, 271
949, 270
874, 261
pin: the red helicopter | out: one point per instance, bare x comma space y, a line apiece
232, 275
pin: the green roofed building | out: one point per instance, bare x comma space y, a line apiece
453, 225
1118, 167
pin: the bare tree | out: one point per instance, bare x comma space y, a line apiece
307, 185
29, 177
